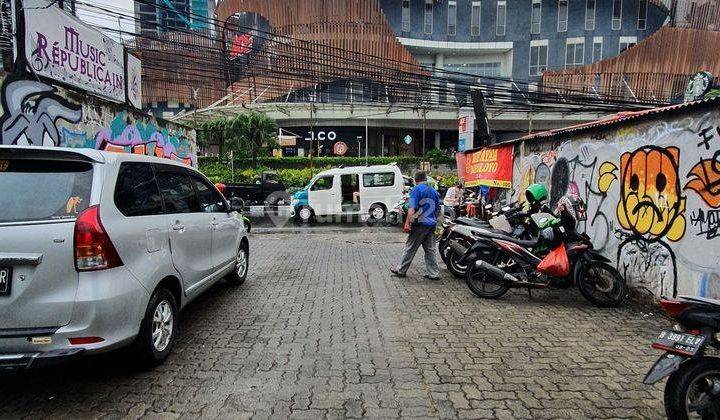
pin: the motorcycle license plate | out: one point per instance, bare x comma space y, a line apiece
680, 343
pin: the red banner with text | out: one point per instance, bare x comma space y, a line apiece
490, 166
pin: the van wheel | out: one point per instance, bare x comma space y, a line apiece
305, 214
158, 329
242, 264
377, 212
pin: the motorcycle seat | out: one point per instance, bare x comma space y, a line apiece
467, 221
522, 242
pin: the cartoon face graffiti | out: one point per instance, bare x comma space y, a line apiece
651, 202
31, 112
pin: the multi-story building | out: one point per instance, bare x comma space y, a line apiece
320, 66
519, 38
160, 16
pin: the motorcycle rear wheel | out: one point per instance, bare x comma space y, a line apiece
452, 260
478, 280
600, 283
685, 389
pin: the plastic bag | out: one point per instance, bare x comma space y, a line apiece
556, 263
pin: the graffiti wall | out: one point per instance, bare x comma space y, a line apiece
37, 113
653, 196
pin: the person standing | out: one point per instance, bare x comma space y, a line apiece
454, 197
423, 211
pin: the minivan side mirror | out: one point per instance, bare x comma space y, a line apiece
236, 204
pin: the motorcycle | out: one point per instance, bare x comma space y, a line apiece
557, 258
690, 363
399, 211
465, 231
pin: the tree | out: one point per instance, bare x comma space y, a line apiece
251, 131
212, 132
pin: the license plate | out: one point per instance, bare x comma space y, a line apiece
5, 279
676, 342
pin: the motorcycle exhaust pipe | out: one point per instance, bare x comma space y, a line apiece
496, 272
457, 247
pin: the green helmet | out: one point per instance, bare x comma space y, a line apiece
536, 193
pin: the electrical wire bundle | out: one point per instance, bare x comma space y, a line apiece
195, 64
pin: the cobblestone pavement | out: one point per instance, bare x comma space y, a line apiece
321, 330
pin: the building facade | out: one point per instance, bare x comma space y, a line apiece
170, 15
519, 39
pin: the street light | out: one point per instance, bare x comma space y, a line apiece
359, 140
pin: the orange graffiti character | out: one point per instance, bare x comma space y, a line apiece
651, 203
705, 180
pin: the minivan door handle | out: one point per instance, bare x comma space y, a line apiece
178, 226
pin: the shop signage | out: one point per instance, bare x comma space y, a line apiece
490, 166
466, 129
340, 148
61, 47
134, 81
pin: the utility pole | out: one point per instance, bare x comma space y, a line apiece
312, 138
423, 131
366, 141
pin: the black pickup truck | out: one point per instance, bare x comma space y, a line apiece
269, 189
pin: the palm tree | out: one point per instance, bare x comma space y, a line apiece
251, 130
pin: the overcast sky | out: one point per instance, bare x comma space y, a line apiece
102, 19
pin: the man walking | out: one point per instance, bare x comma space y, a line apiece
423, 211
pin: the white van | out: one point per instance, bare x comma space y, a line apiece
358, 190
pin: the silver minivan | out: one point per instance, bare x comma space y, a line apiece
100, 250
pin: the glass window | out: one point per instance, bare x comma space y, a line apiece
323, 183
43, 189
501, 22
379, 180
574, 54
178, 193
538, 59
642, 14
428, 26
617, 15
562, 15
136, 192
406, 16
590, 15
626, 43
535, 17
475, 19
210, 199
493, 69
452, 18
597, 50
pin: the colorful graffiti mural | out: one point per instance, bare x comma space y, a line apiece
653, 197
36, 113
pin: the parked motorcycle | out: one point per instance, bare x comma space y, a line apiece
558, 258
465, 231
399, 211
690, 359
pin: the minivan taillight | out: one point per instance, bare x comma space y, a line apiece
93, 248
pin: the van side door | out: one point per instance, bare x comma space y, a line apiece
324, 195
226, 228
189, 229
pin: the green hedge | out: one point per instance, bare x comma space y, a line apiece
292, 178
304, 162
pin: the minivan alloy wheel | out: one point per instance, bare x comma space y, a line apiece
162, 325
241, 264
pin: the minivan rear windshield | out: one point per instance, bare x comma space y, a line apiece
35, 190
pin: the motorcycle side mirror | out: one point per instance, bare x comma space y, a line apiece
236, 204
